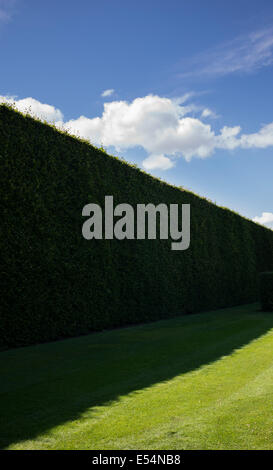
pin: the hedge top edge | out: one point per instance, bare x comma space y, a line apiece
77, 138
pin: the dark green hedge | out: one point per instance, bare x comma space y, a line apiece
266, 291
57, 284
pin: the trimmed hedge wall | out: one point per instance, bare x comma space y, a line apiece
57, 284
266, 291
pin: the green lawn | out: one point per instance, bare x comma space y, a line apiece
198, 382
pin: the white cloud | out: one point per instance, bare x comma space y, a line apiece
35, 108
229, 138
157, 124
265, 219
157, 162
163, 127
108, 92
261, 139
244, 54
208, 113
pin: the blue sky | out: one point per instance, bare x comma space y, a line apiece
188, 86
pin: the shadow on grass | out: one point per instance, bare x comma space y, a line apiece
47, 385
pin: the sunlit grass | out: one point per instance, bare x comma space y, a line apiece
197, 382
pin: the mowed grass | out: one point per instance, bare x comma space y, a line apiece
198, 382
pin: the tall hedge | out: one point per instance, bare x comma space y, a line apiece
266, 291
57, 284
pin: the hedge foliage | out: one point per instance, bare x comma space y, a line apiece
57, 284
266, 291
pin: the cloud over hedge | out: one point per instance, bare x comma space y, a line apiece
165, 128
